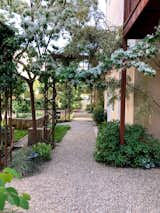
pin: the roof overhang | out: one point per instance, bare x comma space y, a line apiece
142, 19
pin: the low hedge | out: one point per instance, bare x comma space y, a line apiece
98, 114
140, 148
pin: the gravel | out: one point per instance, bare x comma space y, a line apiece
74, 183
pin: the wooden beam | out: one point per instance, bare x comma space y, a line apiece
135, 13
69, 57
123, 98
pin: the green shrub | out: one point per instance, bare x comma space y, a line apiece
23, 164
10, 194
44, 150
140, 148
89, 108
21, 105
98, 114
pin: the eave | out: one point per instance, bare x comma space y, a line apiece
142, 18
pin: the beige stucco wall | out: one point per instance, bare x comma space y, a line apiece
114, 13
147, 102
113, 110
142, 104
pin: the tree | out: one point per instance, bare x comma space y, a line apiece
42, 23
7, 84
138, 55
67, 75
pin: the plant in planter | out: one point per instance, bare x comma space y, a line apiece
98, 114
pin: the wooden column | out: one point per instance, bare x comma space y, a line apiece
123, 98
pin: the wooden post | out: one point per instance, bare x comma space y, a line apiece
123, 99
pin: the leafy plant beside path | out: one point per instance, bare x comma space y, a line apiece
29, 160
43, 150
140, 148
9, 194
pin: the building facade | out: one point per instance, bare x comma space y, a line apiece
143, 96
114, 13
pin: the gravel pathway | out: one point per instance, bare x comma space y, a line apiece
74, 183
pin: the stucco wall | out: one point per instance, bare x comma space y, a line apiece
114, 13
113, 110
142, 104
147, 102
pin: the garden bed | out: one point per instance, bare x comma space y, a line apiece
140, 148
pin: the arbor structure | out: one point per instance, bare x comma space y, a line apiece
40, 26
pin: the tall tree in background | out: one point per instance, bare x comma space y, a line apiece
41, 25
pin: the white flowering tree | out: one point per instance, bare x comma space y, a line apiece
138, 55
39, 27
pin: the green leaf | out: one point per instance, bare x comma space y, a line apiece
24, 203
3, 197
12, 190
26, 196
6, 178
1, 183
13, 199
13, 172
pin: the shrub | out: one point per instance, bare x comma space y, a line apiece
10, 194
23, 163
44, 150
89, 108
21, 106
98, 114
140, 148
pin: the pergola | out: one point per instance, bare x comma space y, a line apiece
140, 18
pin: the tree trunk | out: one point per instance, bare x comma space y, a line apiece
46, 116
69, 102
33, 110
54, 94
6, 129
91, 90
65, 101
10, 121
0, 128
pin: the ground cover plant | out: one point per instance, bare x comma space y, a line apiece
43, 150
25, 162
98, 114
140, 148
19, 134
29, 160
60, 132
9, 194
